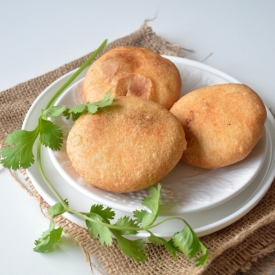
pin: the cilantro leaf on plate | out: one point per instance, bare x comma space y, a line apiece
144, 217
53, 111
90, 107
50, 134
78, 110
106, 101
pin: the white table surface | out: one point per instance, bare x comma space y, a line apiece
39, 36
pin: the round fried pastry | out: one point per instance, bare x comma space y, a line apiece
126, 147
132, 71
222, 124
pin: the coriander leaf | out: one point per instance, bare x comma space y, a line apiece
107, 100
152, 202
53, 111
127, 222
66, 113
107, 214
160, 241
132, 248
57, 209
50, 134
188, 243
76, 116
93, 106
90, 107
20, 154
97, 229
48, 239
78, 109
101, 214
201, 261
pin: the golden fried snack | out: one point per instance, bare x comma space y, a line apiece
126, 147
132, 71
222, 124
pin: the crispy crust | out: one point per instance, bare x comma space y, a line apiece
133, 71
222, 124
126, 147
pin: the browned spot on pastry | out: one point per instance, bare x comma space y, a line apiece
134, 85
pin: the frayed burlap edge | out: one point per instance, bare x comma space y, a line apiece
265, 264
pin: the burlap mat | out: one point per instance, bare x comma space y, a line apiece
245, 247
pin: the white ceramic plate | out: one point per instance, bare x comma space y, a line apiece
185, 189
204, 222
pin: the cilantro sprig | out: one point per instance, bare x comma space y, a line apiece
51, 236
184, 241
90, 107
99, 224
18, 152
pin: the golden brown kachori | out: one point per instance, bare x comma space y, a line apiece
133, 71
126, 147
222, 124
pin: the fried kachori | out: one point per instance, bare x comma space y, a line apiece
127, 146
222, 124
133, 71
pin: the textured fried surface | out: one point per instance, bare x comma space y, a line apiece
133, 71
128, 146
222, 124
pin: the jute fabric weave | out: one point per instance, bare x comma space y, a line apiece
245, 247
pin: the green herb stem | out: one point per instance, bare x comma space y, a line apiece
50, 103
164, 220
146, 228
117, 227
39, 163
76, 73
